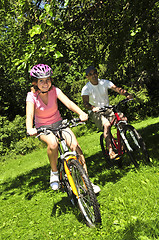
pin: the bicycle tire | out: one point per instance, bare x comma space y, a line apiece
136, 147
87, 201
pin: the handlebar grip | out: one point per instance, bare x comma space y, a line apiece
76, 120
39, 131
42, 130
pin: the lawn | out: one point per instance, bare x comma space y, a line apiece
129, 197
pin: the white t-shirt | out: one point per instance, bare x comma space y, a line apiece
98, 94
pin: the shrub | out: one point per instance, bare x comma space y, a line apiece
26, 145
13, 137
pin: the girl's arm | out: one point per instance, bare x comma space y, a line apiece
72, 106
29, 118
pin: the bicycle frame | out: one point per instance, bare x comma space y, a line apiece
90, 212
117, 120
65, 156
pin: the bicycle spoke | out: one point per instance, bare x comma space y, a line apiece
86, 198
135, 145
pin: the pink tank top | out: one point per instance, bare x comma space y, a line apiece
45, 114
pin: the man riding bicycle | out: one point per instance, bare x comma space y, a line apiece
95, 95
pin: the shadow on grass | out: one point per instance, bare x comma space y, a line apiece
33, 182
38, 179
98, 168
140, 228
30, 183
150, 135
65, 206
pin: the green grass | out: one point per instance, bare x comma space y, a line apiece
129, 198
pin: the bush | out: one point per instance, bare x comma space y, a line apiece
11, 132
13, 137
26, 145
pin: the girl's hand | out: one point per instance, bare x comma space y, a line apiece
32, 131
84, 117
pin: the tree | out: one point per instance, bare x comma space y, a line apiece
118, 37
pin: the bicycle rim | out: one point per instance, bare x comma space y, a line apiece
87, 201
136, 147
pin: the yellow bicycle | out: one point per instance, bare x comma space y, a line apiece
73, 178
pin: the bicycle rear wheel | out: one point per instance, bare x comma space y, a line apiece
87, 201
135, 146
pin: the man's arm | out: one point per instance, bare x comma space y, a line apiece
122, 92
86, 103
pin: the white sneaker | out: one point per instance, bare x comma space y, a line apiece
54, 180
96, 188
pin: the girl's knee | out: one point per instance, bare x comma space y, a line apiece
52, 146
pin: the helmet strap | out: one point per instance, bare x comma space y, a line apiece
43, 92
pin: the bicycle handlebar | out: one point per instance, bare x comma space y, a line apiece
102, 109
65, 123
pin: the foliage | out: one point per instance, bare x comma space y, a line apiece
26, 145
13, 138
118, 37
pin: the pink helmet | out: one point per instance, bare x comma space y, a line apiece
41, 71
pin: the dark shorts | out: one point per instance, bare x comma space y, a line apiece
53, 126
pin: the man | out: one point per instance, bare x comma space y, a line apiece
95, 95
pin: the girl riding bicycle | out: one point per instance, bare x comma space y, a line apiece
41, 106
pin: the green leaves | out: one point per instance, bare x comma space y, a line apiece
121, 39
66, 2
133, 32
58, 54
35, 30
47, 7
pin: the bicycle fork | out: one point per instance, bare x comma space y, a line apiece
67, 156
126, 141
69, 176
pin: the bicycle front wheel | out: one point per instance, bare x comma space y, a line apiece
87, 201
135, 146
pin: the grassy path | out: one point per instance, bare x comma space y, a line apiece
129, 198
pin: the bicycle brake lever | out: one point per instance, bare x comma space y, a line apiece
76, 120
64, 122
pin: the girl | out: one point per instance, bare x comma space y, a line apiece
41, 106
